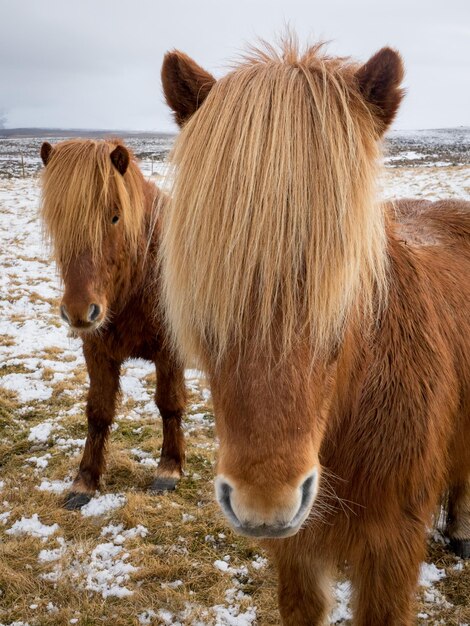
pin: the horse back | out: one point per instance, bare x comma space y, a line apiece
430, 260
402, 416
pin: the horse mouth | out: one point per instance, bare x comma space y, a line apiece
267, 532
85, 328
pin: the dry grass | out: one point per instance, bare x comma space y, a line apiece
172, 550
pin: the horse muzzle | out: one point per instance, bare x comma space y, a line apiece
264, 517
80, 319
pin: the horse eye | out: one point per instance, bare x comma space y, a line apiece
115, 219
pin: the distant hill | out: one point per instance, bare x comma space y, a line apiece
15, 133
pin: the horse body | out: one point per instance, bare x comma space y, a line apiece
111, 276
397, 437
338, 350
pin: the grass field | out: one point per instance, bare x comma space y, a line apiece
130, 557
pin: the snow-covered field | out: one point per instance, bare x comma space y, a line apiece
129, 557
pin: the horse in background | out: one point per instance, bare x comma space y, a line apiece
101, 216
334, 329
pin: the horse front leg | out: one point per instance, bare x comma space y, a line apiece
170, 398
304, 586
458, 519
100, 411
386, 577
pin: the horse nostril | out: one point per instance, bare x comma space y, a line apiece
223, 491
63, 314
93, 312
308, 489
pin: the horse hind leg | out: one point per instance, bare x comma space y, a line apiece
458, 519
170, 398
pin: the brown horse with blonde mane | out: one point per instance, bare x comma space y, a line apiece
335, 329
102, 218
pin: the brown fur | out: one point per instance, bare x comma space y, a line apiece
110, 262
186, 85
384, 410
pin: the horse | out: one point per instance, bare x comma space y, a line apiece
101, 217
334, 328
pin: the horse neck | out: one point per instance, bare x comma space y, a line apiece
140, 271
147, 261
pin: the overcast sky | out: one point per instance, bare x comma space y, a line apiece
96, 63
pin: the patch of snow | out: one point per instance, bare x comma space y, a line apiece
107, 571
42, 432
101, 505
46, 556
41, 462
26, 387
146, 617
32, 526
119, 535
430, 574
223, 566
232, 615
167, 617
260, 562
72, 446
173, 585
55, 486
149, 462
53, 576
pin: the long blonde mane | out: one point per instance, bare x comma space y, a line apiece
82, 190
274, 234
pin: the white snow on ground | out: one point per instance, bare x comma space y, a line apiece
146, 617
55, 486
41, 462
46, 556
405, 156
41, 432
32, 526
101, 505
4, 517
432, 184
119, 535
430, 574
107, 571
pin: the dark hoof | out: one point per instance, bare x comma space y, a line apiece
460, 547
75, 500
163, 483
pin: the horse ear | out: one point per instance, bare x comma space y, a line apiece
120, 159
185, 85
46, 152
379, 82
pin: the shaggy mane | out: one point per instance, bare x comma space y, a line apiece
82, 190
273, 234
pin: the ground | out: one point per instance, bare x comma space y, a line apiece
130, 557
